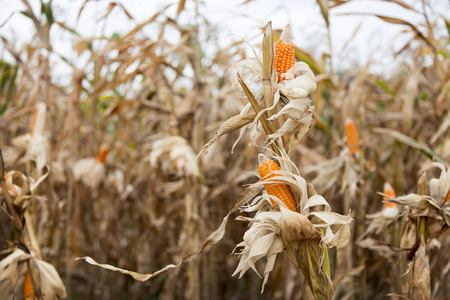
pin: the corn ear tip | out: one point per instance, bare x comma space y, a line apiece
286, 35
387, 186
262, 158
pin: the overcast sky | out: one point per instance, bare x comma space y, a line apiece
375, 40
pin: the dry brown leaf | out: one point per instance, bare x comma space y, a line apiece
403, 4
414, 28
180, 7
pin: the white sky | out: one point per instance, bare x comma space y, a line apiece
375, 39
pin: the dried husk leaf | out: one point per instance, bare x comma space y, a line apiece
295, 109
302, 244
416, 201
328, 172
174, 154
306, 256
232, 124
300, 86
12, 271
338, 239
420, 278
378, 247
299, 127
90, 171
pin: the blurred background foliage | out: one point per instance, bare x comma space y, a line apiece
156, 93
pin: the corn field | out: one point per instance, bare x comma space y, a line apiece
177, 161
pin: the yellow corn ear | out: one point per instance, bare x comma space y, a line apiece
282, 191
352, 136
284, 58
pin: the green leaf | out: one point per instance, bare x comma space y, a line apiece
384, 86
12, 83
5, 75
447, 25
66, 60
25, 13
115, 36
46, 8
424, 149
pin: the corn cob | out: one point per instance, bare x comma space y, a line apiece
390, 193
282, 191
352, 136
28, 292
284, 54
102, 154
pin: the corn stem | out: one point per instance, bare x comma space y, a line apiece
257, 109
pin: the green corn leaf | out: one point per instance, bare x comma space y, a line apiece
424, 149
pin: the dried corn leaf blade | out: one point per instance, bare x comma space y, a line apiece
402, 4
443, 128
244, 197
414, 28
399, 22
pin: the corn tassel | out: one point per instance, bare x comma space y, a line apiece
390, 193
28, 292
352, 137
284, 54
281, 191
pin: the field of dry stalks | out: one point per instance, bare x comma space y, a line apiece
107, 167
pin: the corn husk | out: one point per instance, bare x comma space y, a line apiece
13, 269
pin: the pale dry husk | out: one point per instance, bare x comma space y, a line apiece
12, 272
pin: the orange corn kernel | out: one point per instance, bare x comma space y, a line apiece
352, 136
28, 287
282, 191
390, 193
